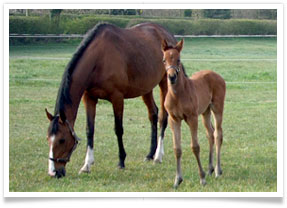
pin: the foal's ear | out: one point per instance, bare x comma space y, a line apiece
49, 115
164, 45
179, 45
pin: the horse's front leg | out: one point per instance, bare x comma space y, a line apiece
90, 105
118, 107
163, 115
153, 117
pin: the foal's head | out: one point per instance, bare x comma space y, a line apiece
171, 60
62, 142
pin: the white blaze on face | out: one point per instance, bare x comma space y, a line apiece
51, 170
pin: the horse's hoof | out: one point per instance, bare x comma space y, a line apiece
85, 169
157, 160
121, 165
177, 182
148, 158
203, 181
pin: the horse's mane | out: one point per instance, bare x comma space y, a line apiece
183, 69
63, 96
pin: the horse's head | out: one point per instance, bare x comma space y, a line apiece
62, 142
171, 60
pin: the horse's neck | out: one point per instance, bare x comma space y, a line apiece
77, 89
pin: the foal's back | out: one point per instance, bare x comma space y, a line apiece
209, 87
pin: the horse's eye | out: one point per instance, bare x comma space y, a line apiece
178, 61
62, 141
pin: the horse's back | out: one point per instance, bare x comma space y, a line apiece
209, 78
128, 60
210, 87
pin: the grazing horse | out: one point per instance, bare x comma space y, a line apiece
186, 99
113, 64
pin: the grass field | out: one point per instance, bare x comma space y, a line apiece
249, 154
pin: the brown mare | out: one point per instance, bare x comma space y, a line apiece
112, 64
186, 99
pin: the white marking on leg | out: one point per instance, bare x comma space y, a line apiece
51, 169
89, 160
159, 150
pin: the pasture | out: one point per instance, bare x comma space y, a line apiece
249, 150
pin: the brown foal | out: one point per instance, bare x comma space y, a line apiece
186, 99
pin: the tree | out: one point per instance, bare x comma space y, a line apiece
55, 16
187, 13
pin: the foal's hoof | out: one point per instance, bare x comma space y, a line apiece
210, 171
218, 172
177, 182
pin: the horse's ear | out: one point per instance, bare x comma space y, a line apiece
49, 115
62, 118
164, 45
179, 45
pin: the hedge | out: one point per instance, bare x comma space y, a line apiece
43, 25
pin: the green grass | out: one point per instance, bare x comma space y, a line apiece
249, 151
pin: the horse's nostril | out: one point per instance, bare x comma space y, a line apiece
60, 173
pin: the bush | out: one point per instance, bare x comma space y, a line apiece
215, 26
43, 25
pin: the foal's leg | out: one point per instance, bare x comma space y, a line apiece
218, 141
176, 136
152, 114
193, 125
118, 107
90, 106
162, 121
209, 134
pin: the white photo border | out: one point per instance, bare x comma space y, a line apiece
280, 77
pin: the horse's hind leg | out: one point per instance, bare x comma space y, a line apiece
209, 134
163, 115
152, 114
118, 107
90, 105
218, 115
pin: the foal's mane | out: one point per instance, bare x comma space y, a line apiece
64, 96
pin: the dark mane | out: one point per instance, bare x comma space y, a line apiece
63, 96
183, 69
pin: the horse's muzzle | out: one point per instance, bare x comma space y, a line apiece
59, 173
